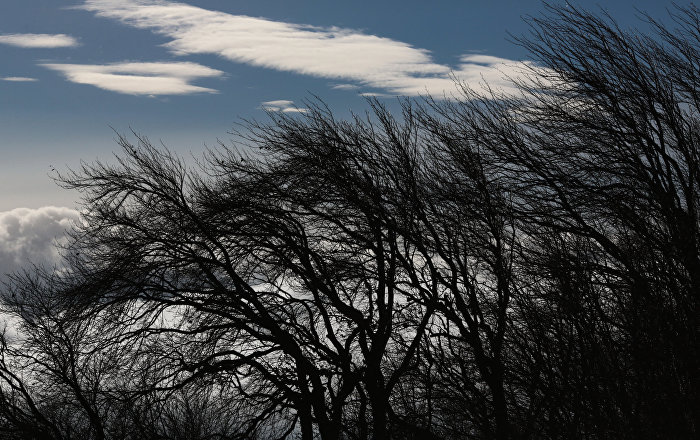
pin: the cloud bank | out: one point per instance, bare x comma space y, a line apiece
30, 235
35, 41
166, 78
335, 53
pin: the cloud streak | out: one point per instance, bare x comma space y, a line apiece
36, 41
327, 52
345, 87
158, 78
18, 79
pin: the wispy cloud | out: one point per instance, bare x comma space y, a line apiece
327, 52
345, 86
373, 94
282, 105
18, 79
47, 41
165, 78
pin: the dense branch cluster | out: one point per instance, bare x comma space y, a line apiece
506, 267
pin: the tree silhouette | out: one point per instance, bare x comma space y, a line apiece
489, 266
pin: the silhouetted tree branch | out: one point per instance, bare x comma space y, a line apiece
493, 266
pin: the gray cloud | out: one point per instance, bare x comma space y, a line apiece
282, 105
29, 235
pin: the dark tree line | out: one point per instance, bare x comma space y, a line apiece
484, 267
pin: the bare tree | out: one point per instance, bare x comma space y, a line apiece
600, 157
288, 275
501, 266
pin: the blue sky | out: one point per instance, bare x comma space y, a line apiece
185, 72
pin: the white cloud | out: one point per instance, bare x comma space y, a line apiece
345, 86
278, 103
327, 52
18, 79
281, 105
29, 235
47, 41
294, 110
166, 78
373, 94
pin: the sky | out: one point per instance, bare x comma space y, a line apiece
74, 73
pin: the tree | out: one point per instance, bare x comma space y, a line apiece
491, 266
295, 291
600, 155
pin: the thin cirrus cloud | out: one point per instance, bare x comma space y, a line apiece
133, 78
345, 87
37, 41
18, 79
336, 53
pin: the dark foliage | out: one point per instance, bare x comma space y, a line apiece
506, 267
